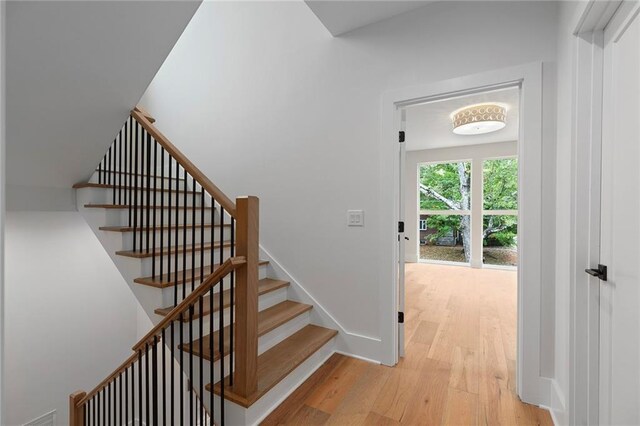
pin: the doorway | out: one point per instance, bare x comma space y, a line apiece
530, 385
461, 217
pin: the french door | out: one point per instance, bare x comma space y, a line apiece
619, 356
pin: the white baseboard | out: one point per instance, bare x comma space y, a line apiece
347, 342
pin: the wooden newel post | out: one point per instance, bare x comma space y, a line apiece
76, 412
246, 345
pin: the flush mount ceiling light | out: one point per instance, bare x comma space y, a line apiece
479, 119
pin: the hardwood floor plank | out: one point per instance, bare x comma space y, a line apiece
459, 367
308, 416
360, 399
329, 395
462, 408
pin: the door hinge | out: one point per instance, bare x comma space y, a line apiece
401, 317
400, 226
401, 136
600, 273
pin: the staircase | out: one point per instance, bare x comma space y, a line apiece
227, 343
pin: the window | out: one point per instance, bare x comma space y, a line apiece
445, 224
500, 212
445, 209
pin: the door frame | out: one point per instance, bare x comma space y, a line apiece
531, 386
586, 143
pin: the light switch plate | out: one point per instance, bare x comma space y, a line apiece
355, 217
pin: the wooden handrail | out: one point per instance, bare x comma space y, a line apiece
200, 177
145, 113
228, 266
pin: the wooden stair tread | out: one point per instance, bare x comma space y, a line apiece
142, 254
164, 280
122, 228
265, 285
127, 187
268, 320
276, 363
156, 207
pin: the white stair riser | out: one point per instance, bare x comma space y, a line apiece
166, 236
142, 181
120, 217
146, 264
105, 196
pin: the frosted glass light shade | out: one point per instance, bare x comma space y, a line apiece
479, 119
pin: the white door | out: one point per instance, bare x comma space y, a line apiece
620, 223
401, 237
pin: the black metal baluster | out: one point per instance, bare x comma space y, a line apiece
113, 385
146, 384
232, 302
120, 398
140, 404
126, 396
133, 391
191, 387
107, 172
119, 167
135, 193
149, 191
164, 380
193, 234
112, 159
201, 302
211, 349
109, 403
155, 205
181, 339
104, 406
114, 189
100, 171
143, 186
128, 166
162, 195
221, 333
184, 237
155, 379
172, 380
169, 257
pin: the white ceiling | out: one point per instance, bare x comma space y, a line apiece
342, 16
429, 125
73, 71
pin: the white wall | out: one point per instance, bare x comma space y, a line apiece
473, 153
266, 103
70, 316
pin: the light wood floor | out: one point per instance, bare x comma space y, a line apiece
459, 368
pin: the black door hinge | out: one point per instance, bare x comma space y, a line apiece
401, 136
601, 272
401, 317
400, 226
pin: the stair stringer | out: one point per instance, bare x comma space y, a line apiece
347, 342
